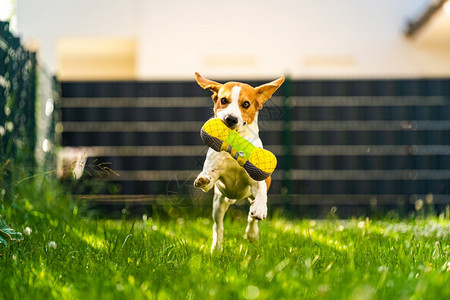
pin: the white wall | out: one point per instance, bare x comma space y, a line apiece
245, 39
47, 21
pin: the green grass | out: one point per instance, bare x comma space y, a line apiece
170, 259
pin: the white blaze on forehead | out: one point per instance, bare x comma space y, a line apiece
234, 105
233, 108
235, 91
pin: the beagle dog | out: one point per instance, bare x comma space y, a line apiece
237, 105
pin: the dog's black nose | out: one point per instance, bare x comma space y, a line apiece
231, 121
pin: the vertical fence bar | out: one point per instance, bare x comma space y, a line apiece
287, 144
3, 83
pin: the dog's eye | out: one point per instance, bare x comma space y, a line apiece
224, 101
246, 104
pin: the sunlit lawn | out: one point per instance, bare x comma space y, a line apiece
170, 259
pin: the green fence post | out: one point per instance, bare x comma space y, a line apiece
32, 98
287, 145
3, 84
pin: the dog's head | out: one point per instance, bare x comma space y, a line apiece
235, 103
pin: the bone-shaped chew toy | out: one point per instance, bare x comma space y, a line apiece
259, 163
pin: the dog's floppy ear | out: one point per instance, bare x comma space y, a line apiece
265, 91
208, 84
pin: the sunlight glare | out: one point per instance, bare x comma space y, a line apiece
447, 8
6, 10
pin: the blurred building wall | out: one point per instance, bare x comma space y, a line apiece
244, 39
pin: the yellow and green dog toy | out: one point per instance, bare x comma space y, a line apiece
259, 163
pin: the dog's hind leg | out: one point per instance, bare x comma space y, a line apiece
220, 207
252, 230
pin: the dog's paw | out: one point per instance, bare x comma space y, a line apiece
258, 210
203, 182
216, 248
251, 233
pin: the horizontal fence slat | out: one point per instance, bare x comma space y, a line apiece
305, 101
149, 175
369, 101
363, 125
367, 150
189, 126
343, 150
294, 199
153, 175
369, 175
361, 199
139, 150
138, 102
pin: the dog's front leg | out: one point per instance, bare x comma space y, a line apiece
205, 180
208, 177
258, 209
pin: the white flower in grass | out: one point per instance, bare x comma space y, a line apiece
361, 224
52, 245
382, 269
27, 231
446, 266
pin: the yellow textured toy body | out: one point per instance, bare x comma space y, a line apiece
259, 163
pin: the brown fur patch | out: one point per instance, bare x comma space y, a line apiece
268, 181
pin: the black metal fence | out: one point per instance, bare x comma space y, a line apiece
338, 142
28, 96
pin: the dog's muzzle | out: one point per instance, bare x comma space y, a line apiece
230, 121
